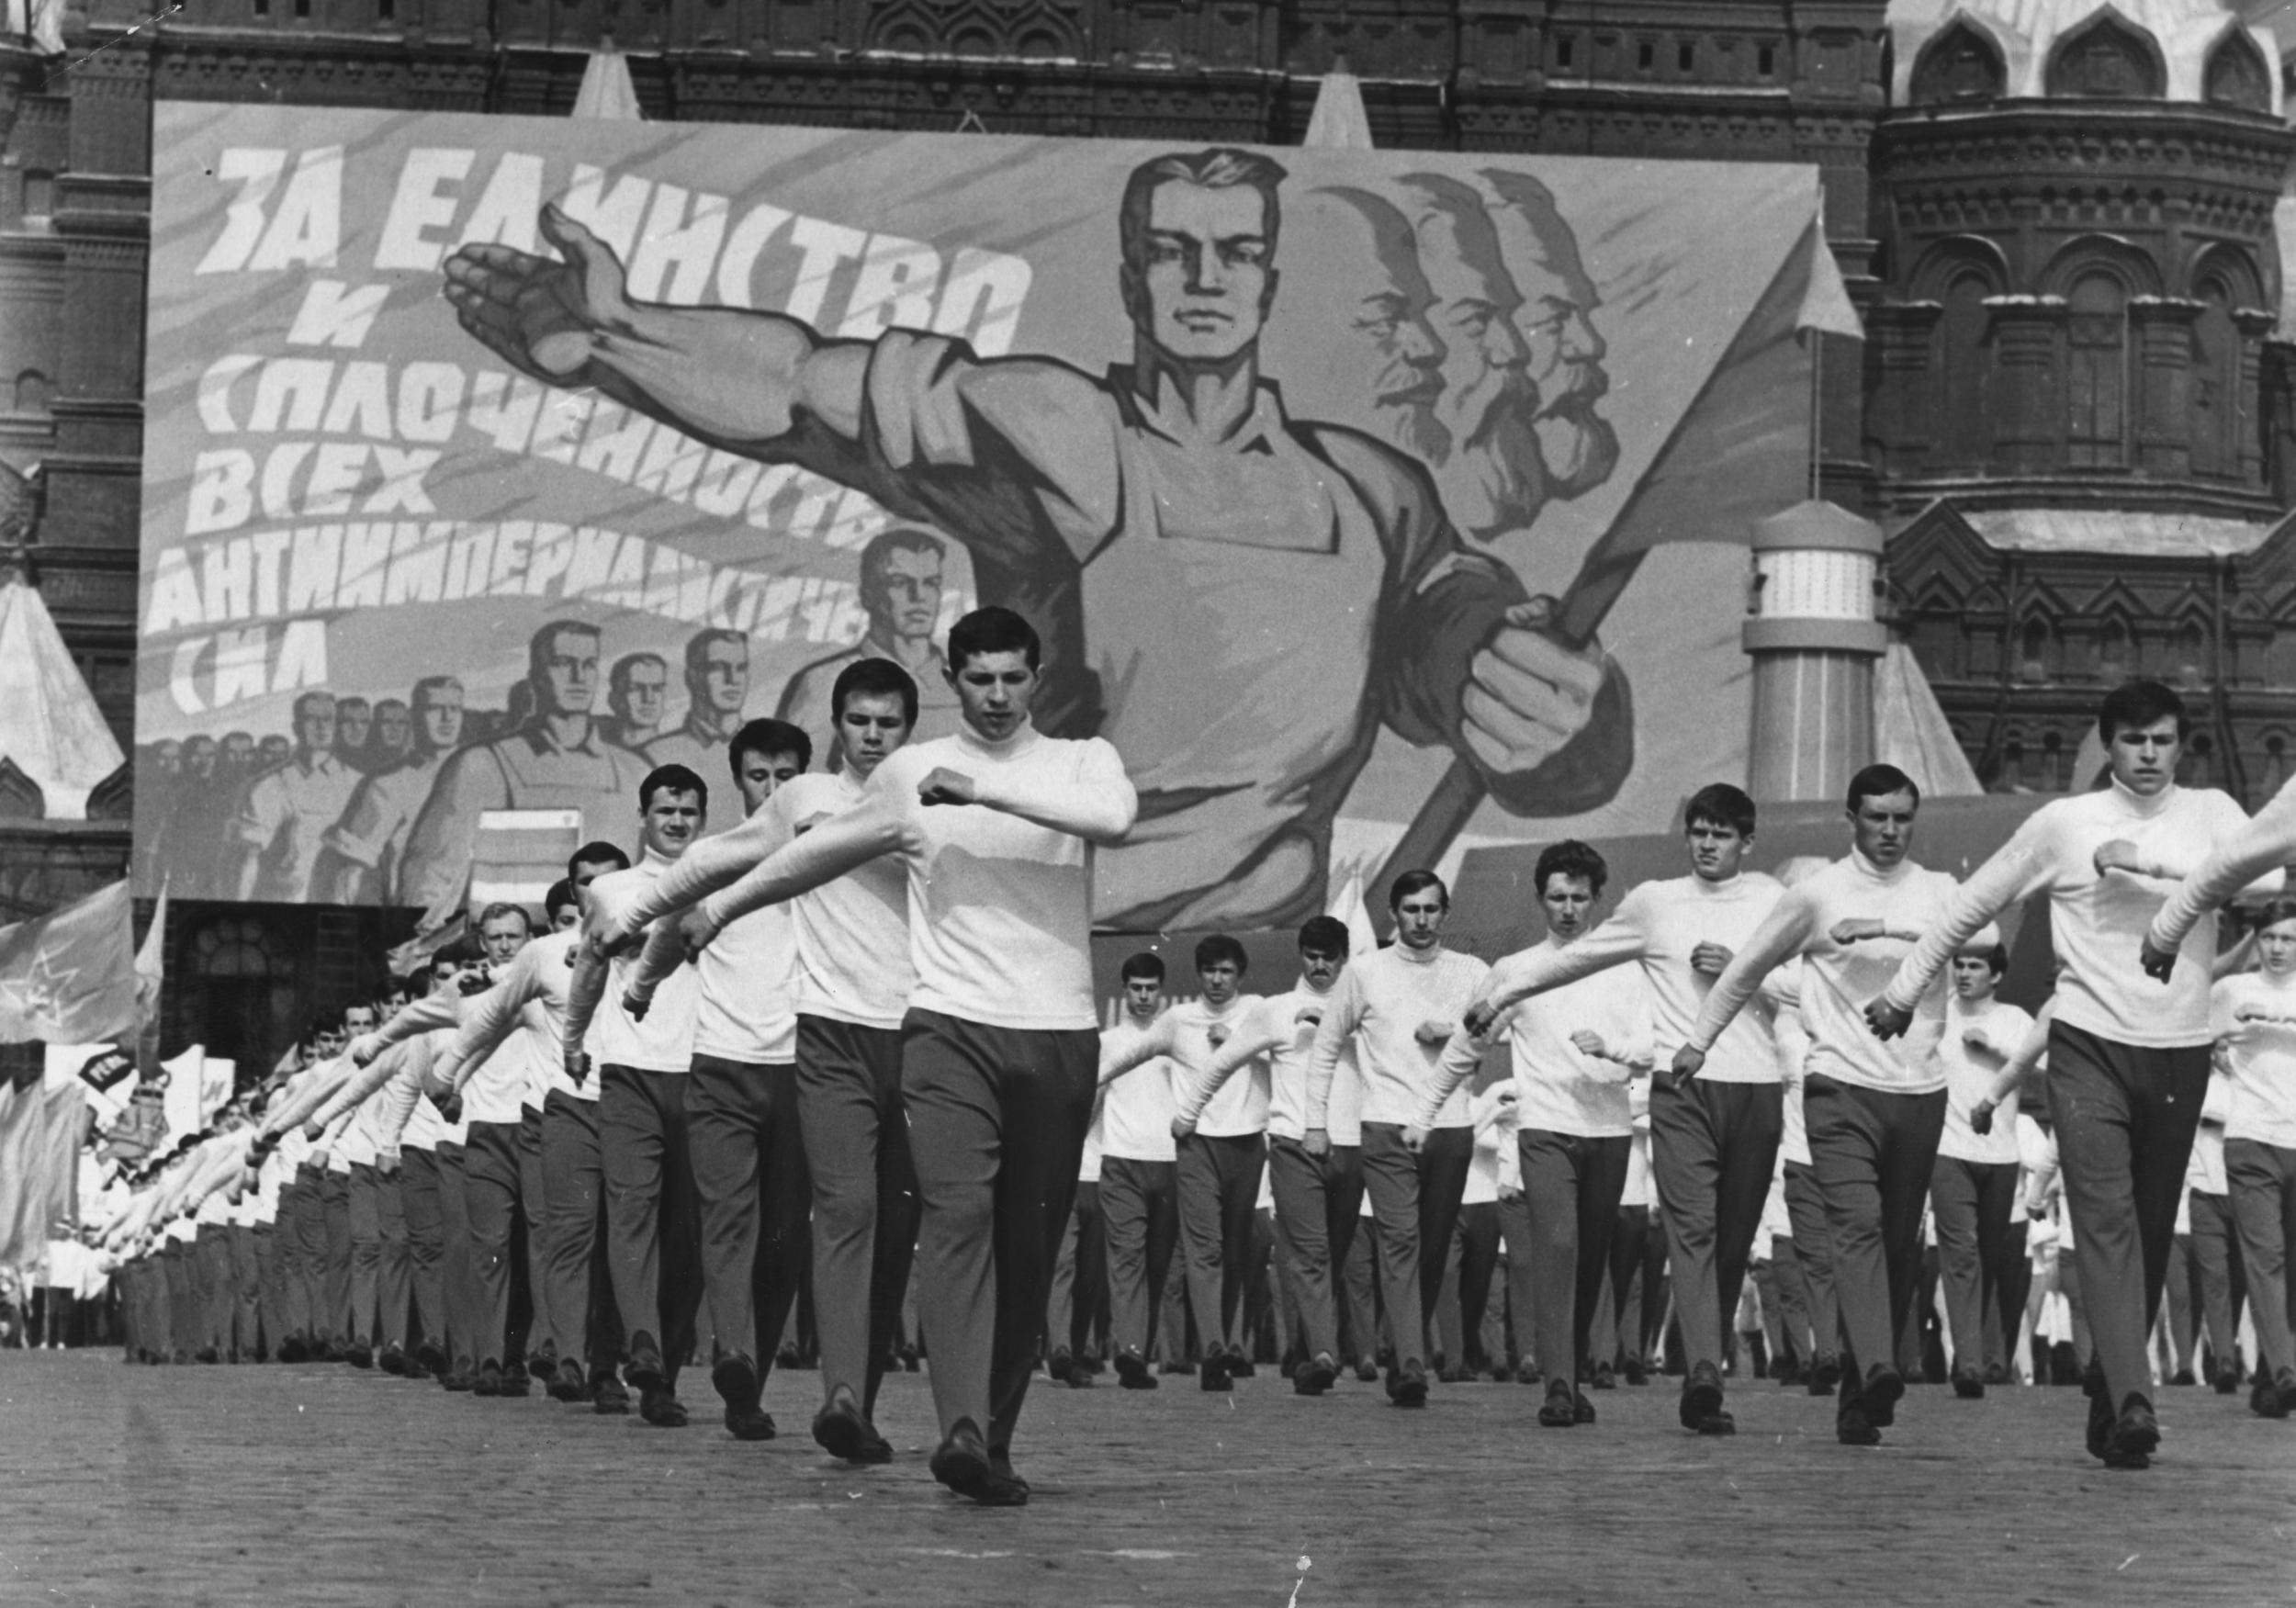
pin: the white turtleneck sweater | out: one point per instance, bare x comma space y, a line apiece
2096, 922
999, 889
1390, 995
1837, 979
1660, 924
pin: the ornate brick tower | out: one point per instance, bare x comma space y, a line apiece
2068, 420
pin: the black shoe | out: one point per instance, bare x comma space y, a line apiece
1000, 1465
1314, 1378
962, 1463
2285, 1381
205, 1353
2264, 1399
736, 1378
392, 1359
291, 1349
543, 1364
2183, 1376
841, 1430
1455, 1376
1998, 1374
1853, 1428
1409, 1388
1132, 1371
609, 1398
432, 1357
1367, 1371
358, 1355
461, 1377
514, 1381
490, 1380
1559, 1410
569, 1383
643, 1368
1058, 1365
1079, 1376
1969, 1385
1213, 1374
1702, 1396
1786, 1372
1635, 1373
1239, 1365
1169, 1367
661, 1408
2135, 1435
1884, 1386
1604, 1378
1825, 1374
2226, 1381
1583, 1408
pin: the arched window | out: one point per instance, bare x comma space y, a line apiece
2191, 654
241, 1002
2096, 373
1958, 64
31, 391
2236, 75
2116, 653
1964, 367
39, 197
2033, 655
2107, 60
2199, 761
2224, 414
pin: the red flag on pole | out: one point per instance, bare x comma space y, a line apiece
70, 977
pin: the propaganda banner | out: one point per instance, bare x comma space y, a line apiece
1370, 502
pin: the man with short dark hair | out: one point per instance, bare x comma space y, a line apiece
996, 827
1219, 1152
1139, 1166
851, 987
717, 685
2128, 1060
1574, 1051
1714, 1137
1403, 1003
1972, 1191
1874, 1112
1317, 1196
652, 1219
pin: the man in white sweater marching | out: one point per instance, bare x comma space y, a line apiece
2128, 1060
1404, 1001
1714, 1139
1875, 1112
996, 827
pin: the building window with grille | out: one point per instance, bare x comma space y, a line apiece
2097, 372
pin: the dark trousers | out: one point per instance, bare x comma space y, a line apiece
1317, 1202
494, 1196
1572, 1184
578, 1282
1219, 1188
334, 1283
217, 1288
998, 1122
653, 1222
1356, 1279
1814, 1256
1415, 1204
269, 1273
182, 1297
458, 1270
365, 1214
533, 1216
242, 1334
750, 1181
287, 1253
392, 1285
2262, 1178
1080, 1302
426, 1242
2125, 1120
1464, 1306
1980, 1248
2218, 1273
1521, 1314
1713, 1146
310, 1243
1627, 1328
1140, 1214
1874, 1155
864, 1196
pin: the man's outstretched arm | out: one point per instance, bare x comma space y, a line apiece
2262, 845
732, 376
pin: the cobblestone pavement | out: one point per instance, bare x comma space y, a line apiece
316, 1485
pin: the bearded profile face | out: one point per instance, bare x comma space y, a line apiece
1578, 446
1493, 478
1368, 357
